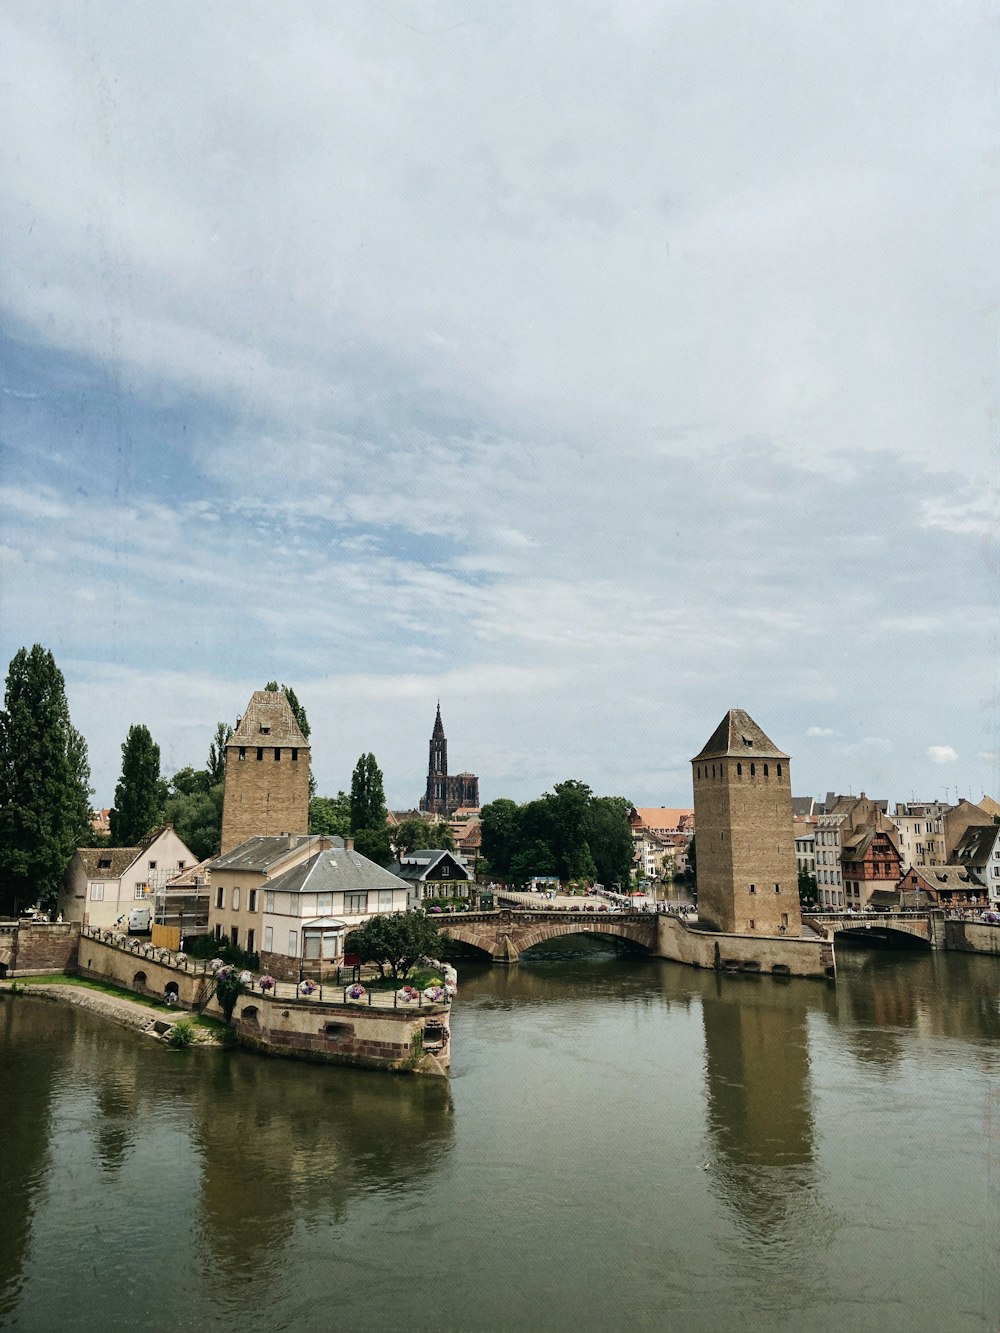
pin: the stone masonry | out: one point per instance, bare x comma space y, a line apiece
267, 773
747, 876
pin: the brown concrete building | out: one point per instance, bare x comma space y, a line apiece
267, 773
747, 878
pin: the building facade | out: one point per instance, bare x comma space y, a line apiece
266, 788
445, 793
103, 884
747, 878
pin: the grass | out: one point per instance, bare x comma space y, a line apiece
214, 1025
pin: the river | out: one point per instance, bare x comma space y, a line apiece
623, 1144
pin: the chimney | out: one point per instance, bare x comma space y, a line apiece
349, 844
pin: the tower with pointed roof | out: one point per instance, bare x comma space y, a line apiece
445, 794
266, 788
747, 876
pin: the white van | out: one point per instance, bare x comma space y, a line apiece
140, 920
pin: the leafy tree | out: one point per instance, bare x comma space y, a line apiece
217, 753
569, 808
141, 793
44, 782
395, 940
228, 989
410, 835
374, 843
368, 808
500, 822
330, 814
537, 858
609, 838
807, 888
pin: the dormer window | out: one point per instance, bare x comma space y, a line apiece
104, 863
266, 731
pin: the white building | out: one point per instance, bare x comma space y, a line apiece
103, 884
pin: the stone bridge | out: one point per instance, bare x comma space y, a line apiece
890, 927
507, 933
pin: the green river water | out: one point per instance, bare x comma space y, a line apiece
623, 1144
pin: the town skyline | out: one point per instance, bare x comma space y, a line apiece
594, 372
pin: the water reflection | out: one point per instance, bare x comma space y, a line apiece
282, 1144
760, 1113
34, 1042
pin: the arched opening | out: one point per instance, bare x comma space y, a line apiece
251, 1015
139, 981
172, 992
338, 1031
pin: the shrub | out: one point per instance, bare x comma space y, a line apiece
181, 1034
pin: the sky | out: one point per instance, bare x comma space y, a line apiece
592, 368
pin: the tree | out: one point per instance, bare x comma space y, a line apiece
217, 753
411, 835
609, 837
500, 823
374, 843
807, 888
330, 815
368, 809
537, 858
395, 940
140, 794
44, 782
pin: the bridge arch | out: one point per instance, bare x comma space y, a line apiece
902, 937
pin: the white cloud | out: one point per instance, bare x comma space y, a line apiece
942, 754
821, 731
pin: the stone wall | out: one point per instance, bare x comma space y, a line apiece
39, 946
972, 937
133, 971
777, 955
353, 1034
264, 796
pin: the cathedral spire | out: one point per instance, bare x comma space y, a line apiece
438, 733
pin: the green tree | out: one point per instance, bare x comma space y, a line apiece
569, 807
500, 822
217, 753
44, 782
537, 858
368, 808
141, 793
374, 843
411, 835
609, 837
330, 815
395, 940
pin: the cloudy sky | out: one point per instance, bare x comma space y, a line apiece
593, 367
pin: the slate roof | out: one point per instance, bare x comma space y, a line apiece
263, 853
268, 709
738, 737
975, 846
960, 879
335, 870
120, 857
418, 865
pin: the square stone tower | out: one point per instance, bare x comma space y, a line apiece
267, 773
745, 848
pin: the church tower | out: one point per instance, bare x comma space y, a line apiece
745, 848
267, 773
435, 798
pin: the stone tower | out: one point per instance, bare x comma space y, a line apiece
747, 875
267, 773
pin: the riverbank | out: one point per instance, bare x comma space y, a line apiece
155, 1021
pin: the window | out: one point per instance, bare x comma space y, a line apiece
218, 931
446, 871
277, 754
779, 770
293, 943
152, 865
252, 901
268, 939
324, 903
249, 941
385, 895
753, 888
312, 941
765, 770
243, 752
234, 935
236, 900
268, 901
355, 902
220, 896
97, 893
260, 753
141, 890
739, 770
753, 770
104, 863
751, 924
180, 865
295, 755
777, 888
